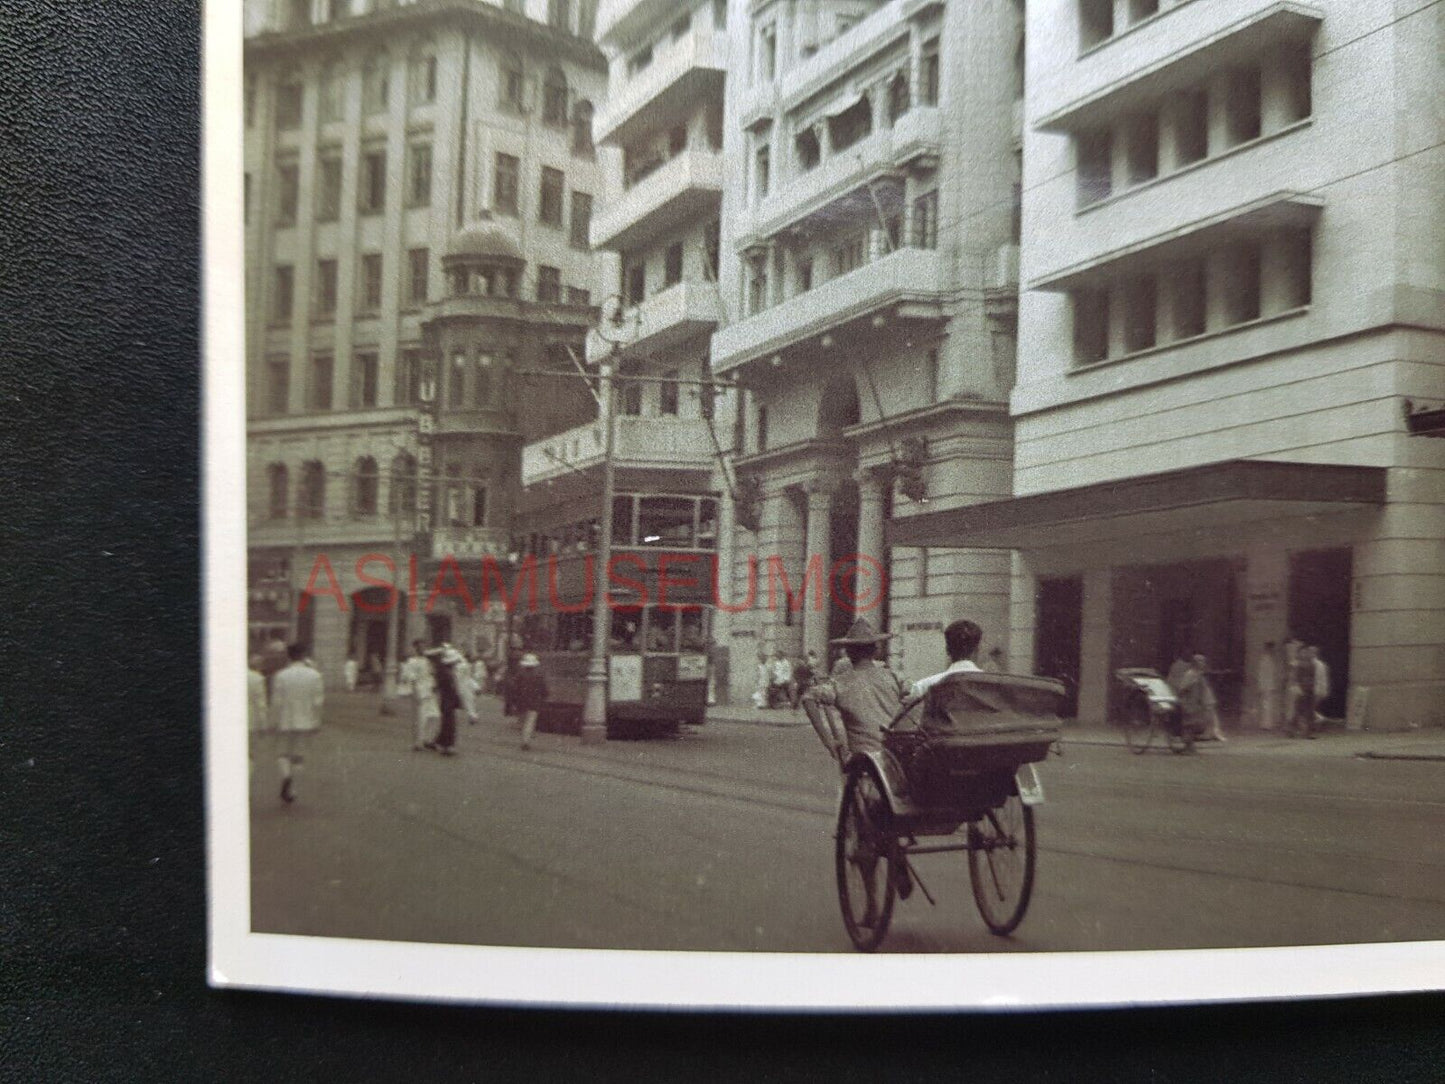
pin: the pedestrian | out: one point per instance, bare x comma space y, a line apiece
298, 695
416, 683
462, 674
1213, 731
1266, 685
763, 682
780, 680
350, 671
530, 695
805, 672
1291, 689
255, 703
1179, 669
448, 699
1322, 684
479, 674
1302, 689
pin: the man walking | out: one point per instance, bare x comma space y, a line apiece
530, 695
298, 695
1302, 686
416, 683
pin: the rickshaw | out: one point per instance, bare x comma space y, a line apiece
955, 774
1151, 706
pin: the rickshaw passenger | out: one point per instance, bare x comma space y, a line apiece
960, 640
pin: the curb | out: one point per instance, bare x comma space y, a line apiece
782, 724
1371, 754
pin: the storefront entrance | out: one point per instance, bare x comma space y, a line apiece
1319, 614
1059, 617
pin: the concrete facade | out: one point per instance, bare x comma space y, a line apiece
1233, 250
379, 137
869, 269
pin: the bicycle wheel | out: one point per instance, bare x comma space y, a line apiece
862, 852
1001, 857
1138, 725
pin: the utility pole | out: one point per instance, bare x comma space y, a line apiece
594, 709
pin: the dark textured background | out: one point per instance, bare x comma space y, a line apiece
102, 922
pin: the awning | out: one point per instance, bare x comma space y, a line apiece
1206, 498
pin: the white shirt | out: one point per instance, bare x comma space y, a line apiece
922, 685
782, 671
1322, 680
298, 694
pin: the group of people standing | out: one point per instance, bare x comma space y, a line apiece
783, 681
1290, 686
441, 683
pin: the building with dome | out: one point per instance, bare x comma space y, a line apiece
419, 186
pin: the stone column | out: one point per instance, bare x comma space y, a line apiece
815, 547
872, 577
1095, 635
1266, 616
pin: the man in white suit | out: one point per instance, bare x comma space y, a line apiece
297, 695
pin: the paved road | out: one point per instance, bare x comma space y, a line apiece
721, 839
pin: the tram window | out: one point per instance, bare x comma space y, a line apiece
661, 630
574, 632
622, 521
707, 524
627, 629
694, 629
666, 521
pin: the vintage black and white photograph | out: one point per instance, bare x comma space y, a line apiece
952, 481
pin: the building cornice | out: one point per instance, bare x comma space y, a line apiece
381, 27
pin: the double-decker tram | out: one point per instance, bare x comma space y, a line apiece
659, 595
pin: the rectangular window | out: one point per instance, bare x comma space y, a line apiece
288, 188
370, 282
1096, 22
579, 236
325, 289
761, 173
925, 220
549, 284
278, 385
635, 279
667, 393
457, 381
328, 190
319, 393
283, 294
1091, 325
712, 247
672, 265
288, 107
365, 371
505, 184
757, 286
928, 75
1191, 126
513, 88
1189, 298
479, 506
1298, 255
805, 275
849, 255
418, 266
408, 377
1143, 147
549, 206
1241, 283
1140, 309
1095, 170
632, 398
1242, 106
482, 382
418, 175
930, 374
578, 296
373, 182
762, 428
768, 53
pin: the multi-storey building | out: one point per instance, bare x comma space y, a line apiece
420, 182
1234, 283
868, 268
664, 115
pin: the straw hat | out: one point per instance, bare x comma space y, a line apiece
862, 633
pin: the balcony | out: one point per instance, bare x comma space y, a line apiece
625, 23
847, 51
693, 67
889, 151
646, 441
909, 281
663, 320
1182, 50
682, 189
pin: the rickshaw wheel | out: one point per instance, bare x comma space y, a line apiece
863, 851
1002, 853
1138, 725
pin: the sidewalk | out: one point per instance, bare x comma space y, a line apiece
1333, 741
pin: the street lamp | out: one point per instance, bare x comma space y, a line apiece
594, 708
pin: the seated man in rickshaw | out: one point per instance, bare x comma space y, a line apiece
960, 640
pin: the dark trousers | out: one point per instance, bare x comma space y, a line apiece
1303, 719
447, 733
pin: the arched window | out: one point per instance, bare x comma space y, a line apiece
422, 74
403, 484
554, 98
311, 502
582, 127
277, 482
366, 481
375, 85
333, 91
